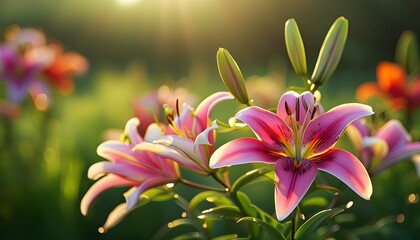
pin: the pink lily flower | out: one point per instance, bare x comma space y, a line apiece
298, 142
389, 145
148, 107
21, 69
141, 170
189, 137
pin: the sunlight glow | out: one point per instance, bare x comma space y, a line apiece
127, 3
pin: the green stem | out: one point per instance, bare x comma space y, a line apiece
200, 186
220, 181
293, 227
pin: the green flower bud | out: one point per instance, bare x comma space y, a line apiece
295, 47
407, 52
331, 51
231, 75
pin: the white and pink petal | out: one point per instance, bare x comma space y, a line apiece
346, 167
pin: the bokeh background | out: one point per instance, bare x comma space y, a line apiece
134, 46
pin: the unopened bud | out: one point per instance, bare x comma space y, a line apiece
331, 50
295, 47
231, 75
407, 52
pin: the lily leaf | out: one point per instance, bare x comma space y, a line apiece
248, 178
216, 198
220, 212
270, 229
226, 237
312, 223
187, 222
190, 236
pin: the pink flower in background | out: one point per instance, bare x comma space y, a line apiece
21, 69
149, 107
299, 142
389, 145
190, 135
29, 64
141, 170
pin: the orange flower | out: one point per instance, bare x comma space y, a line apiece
65, 65
393, 86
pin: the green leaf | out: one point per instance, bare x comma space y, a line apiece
295, 47
331, 51
270, 229
248, 178
406, 53
231, 75
261, 214
158, 194
221, 211
216, 198
226, 237
181, 222
312, 223
315, 202
190, 236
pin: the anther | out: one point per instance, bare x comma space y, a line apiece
297, 109
288, 111
313, 112
305, 104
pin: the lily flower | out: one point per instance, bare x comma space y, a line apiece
141, 170
20, 69
190, 135
148, 107
298, 141
392, 86
63, 67
383, 148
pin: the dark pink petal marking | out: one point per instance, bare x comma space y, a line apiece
268, 127
292, 184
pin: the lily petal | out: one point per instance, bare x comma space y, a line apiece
115, 151
206, 137
116, 216
132, 132
347, 168
391, 79
103, 184
322, 133
268, 127
394, 134
153, 132
292, 184
133, 194
367, 91
187, 147
301, 106
205, 108
240, 151
398, 154
132, 172
165, 151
